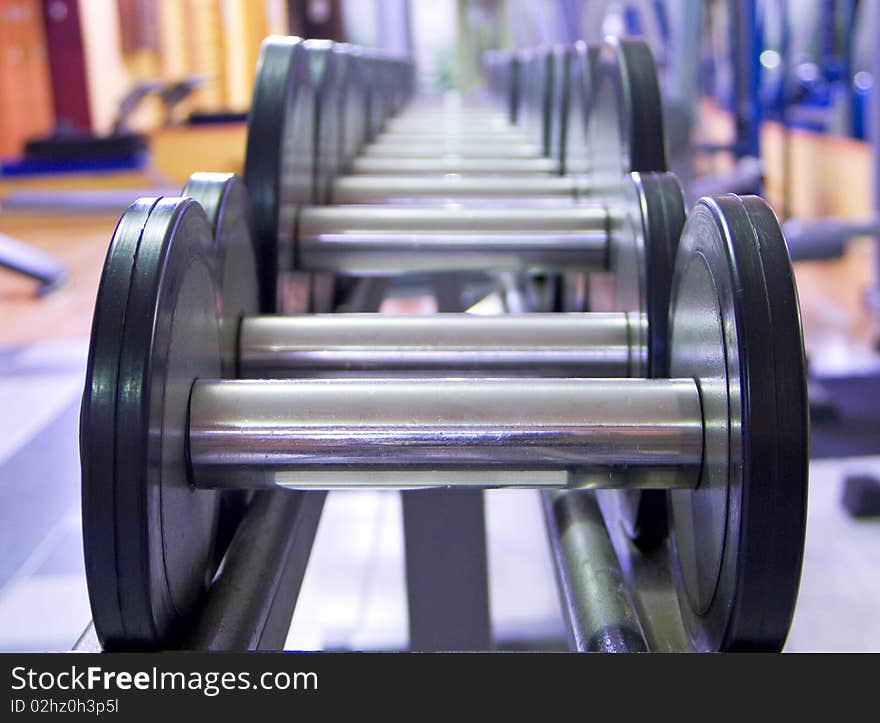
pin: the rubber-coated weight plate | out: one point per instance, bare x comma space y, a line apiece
376, 93
355, 99
98, 424
148, 535
279, 159
625, 121
224, 198
498, 74
735, 328
548, 109
560, 102
642, 247
328, 91
514, 90
536, 115
582, 72
225, 201
642, 259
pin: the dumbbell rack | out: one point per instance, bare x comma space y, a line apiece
674, 427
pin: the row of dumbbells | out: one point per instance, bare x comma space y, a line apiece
685, 397
309, 148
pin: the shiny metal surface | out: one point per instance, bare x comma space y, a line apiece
373, 189
591, 582
446, 164
411, 121
425, 111
452, 141
418, 113
382, 254
381, 240
649, 580
704, 346
352, 220
463, 150
225, 201
461, 135
535, 345
251, 600
424, 433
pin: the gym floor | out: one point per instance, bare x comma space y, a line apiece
353, 596
354, 592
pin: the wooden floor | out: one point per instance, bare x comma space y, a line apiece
81, 243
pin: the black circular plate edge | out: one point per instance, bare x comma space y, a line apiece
98, 423
282, 61
763, 570
213, 191
774, 591
143, 631
634, 74
645, 512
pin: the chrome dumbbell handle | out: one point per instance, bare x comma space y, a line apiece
535, 345
423, 433
393, 239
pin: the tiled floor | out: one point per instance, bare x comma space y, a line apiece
353, 595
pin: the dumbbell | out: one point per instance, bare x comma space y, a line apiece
644, 262
448, 136
538, 108
432, 139
636, 243
162, 429
534, 115
502, 84
278, 181
318, 239
556, 104
329, 120
447, 118
283, 110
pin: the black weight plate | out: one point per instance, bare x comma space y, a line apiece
376, 92
548, 106
497, 78
537, 113
642, 247
224, 198
160, 556
625, 121
573, 155
642, 259
514, 90
226, 203
279, 158
98, 423
530, 93
560, 102
735, 328
328, 90
355, 98
583, 70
